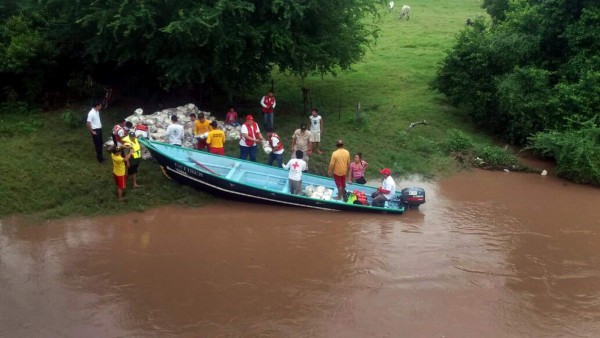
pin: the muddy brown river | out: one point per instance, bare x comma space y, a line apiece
490, 255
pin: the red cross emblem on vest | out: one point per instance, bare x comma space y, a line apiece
295, 165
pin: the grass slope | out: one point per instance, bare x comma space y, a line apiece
53, 171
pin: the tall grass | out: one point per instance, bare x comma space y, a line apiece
54, 171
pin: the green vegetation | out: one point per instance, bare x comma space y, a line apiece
53, 169
527, 74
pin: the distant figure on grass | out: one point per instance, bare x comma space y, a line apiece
339, 166
131, 142
250, 135
390, 6
231, 117
119, 171
277, 146
201, 127
316, 129
94, 125
404, 12
175, 132
357, 169
216, 139
301, 141
296, 166
387, 191
268, 106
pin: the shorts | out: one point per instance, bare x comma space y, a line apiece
340, 181
133, 167
120, 181
315, 136
218, 151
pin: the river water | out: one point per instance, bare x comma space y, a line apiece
490, 255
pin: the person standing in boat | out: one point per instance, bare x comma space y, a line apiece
357, 169
216, 139
175, 132
277, 146
268, 108
387, 191
296, 166
94, 125
339, 165
250, 135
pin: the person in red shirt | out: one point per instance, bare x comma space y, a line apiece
268, 106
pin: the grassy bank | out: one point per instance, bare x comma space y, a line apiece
52, 169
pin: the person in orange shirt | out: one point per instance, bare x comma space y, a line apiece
216, 140
339, 165
201, 127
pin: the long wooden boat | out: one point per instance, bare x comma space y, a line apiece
250, 181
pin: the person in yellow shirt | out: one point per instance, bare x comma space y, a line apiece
216, 140
119, 170
339, 165
131, 141
201, 126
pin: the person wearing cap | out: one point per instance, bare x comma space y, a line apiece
250, 135
277, 146
268, 103
387, 191
301, 141
94, 125
339, 165
216, 139
201, 126
131, 141
118, 132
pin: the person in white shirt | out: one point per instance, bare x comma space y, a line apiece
250, 134
316, 129
296, 167
94, 125
175, 132
387, 191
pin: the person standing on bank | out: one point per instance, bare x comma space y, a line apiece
316, 129
301, 141
131, 141
250, 135
268, 106
296, 167
216, 139
175, 132
387, 191
94, 125
119, 170
277, 146
340, 167
201, 127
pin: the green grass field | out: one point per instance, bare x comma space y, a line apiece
53, 172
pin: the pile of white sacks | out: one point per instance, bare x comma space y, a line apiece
159, 121
318, 192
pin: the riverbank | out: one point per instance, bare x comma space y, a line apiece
50, 166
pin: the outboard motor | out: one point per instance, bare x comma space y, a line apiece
412, 197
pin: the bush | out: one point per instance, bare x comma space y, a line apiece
457, 142
576, 151
71, 119
494, 157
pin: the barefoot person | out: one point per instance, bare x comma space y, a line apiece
339, 166
131, 141
119, 170
316, 129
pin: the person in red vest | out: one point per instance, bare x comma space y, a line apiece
119, 131
268, 105
277, 146
250, 135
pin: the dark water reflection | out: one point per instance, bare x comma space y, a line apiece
489, 255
